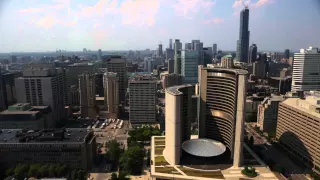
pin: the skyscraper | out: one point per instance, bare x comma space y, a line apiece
253, 53
187, 46
170, 66
111, 95
189, 66
214, 50
207, 55
287, 53
42, 87
222, 108
117, 64
170, 43
177, 56
244, 35
306, 70
160, 52
87, 95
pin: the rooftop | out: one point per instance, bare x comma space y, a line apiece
204, 147
220, 69
175, 90
42, 136
310, 105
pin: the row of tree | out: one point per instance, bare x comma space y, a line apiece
22, 171
143, 134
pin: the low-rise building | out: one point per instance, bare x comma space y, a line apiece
73, 147
23, 115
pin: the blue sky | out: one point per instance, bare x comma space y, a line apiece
47, 25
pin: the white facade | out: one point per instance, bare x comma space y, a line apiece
306, 70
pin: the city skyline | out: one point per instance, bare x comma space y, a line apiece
114, 25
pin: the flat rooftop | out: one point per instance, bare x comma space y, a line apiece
42, 136
302, 105
174, 90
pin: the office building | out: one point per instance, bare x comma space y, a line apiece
169, 80
142, 99
227, 61
189, 66
111, 95
148, 64
170, 66
207, 55
170, 43
259, 69
169, 54
73, 147
267, 116
222, 108
87, 95
274, 68
7, 87
283, 84
244, 35
214, 50
253, 53
287, 54
76, 69
24, 116
42, 87
99, 90
117, 64
306, 70
187, 46
298, 127
177, 56
178, 120
160, 52
74, 95
99, 55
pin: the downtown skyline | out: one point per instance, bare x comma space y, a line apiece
72, 25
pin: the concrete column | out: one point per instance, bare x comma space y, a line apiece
240, 119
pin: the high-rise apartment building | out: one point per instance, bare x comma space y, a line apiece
244, 35
298, 127
306, 70
222, 108
177, 56
111, 94
142, 99
170, 66
117, 64
253, 53
87, 95
42, 87
189, 66
286, 54
178, 120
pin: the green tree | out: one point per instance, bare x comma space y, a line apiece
132, 160
74, 174
43, 171
62, 171
21, 171
251, 141
51, 170
9, 172
114, 150
114, 176
33, 170
122, 175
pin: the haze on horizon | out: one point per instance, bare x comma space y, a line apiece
47, 25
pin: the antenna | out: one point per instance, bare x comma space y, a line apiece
244, 4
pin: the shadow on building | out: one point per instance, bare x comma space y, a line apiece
296, 150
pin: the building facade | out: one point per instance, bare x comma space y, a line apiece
73, 147
189, 66
253, 53
111, 94
177, 56
142, 100
244, 34
169, 80
87, 95
227, 61
297, 130
267, 116
222, 108
306, 70
178, 118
